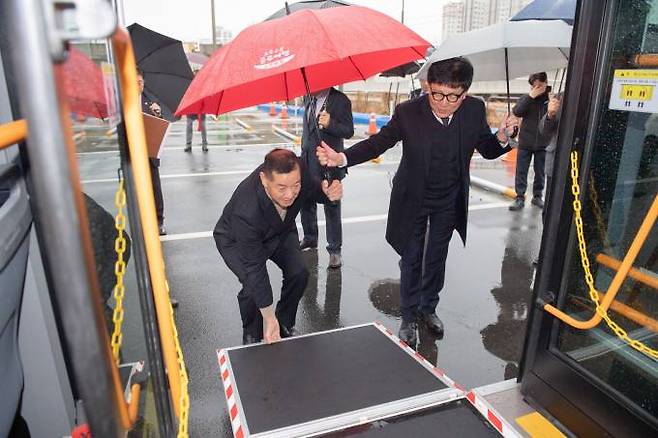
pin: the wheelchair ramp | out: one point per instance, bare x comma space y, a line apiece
455, 419
327, 381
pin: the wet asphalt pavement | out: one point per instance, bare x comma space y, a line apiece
484, 303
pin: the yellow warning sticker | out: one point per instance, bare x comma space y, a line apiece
636, 92
637, 74
633, 90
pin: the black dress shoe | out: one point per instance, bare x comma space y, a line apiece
248, 338
432, 322
308, 244
537, 202
288, 332
517, 204
174, 303
408, 333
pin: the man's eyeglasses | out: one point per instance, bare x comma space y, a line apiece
452, 98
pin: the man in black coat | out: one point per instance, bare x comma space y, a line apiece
439, 132
328, 118
532, 144
258, 224
152, 108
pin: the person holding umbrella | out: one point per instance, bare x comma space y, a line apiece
257, 225
154, 109
328, 118
439, 133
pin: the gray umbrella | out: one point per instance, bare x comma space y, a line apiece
307, 4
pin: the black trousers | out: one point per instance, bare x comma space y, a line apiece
157, 189
289, 258
334, 225
523, 158
423, 263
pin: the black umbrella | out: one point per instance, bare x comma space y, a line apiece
401, 70
308, 4
167, 73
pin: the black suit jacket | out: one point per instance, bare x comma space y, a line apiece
409, 124
251, 226
341, 126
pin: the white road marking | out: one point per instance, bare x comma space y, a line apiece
349, 220
176, 175
180, 148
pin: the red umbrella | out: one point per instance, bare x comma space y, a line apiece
268, 61
83, 82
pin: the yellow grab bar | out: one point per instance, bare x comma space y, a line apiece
635, 274
618, 279
132, 112
632, 314
12, 132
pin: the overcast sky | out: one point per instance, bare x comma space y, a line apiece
190, 19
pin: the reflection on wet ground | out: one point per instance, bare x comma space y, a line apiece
504, 338
484, 303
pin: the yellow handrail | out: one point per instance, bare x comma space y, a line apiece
619, 277
601, 308
632, 314
635, 274
132, 112
12, 132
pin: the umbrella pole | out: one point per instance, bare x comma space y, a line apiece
388, 98
397, 93
509, 109
564, 71
509, 106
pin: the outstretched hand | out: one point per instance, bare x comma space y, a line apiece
334, 191
506, 128
271, 330
327, 156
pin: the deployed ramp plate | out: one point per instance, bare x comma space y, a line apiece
327, 381
455, 419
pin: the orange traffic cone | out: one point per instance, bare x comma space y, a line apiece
284, 111
272, 109
372, 124
509, 160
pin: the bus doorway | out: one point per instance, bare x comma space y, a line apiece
598, 376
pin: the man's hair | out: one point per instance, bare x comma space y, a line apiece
453, 72
280, 161
541, 76
140, 72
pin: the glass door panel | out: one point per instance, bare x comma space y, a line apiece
621, 174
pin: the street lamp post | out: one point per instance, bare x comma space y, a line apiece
214, 30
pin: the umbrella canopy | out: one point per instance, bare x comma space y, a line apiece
398, 71
167, 74
564, 10
531, 46
83, 82
401, 70
308, 4
309, 50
